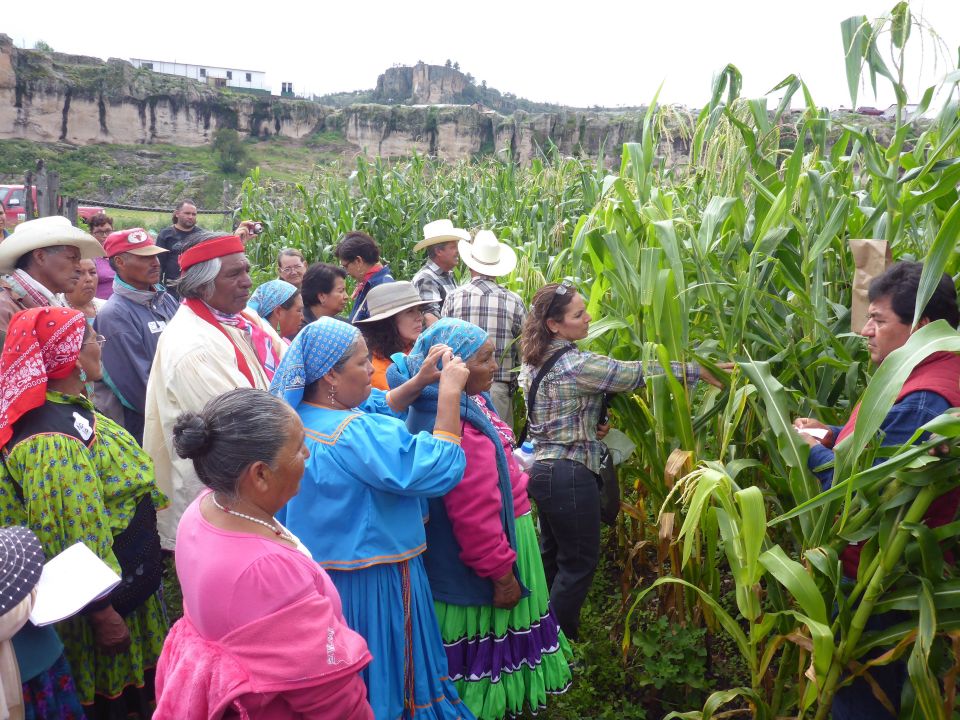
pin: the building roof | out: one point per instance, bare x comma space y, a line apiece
178, 62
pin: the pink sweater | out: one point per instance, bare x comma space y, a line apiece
473, 506
263, 635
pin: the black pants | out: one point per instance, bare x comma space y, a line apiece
567, 494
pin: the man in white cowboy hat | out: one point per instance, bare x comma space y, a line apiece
434, 281
39, 261
492, 307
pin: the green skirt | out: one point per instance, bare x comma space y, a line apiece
505, 661
95, 672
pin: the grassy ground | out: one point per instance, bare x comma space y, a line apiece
160, 175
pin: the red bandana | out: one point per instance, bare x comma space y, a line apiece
42, 344
203, 312
210, 249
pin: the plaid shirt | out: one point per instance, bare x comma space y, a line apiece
433, 285
498, 311
570, 397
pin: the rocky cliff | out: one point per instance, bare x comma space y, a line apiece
421, 84
51, 97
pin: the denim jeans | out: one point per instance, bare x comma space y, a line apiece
856, 701
567, 495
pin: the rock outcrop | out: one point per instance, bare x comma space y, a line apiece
52, 97
421, 84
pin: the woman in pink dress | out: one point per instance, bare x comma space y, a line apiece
263, 634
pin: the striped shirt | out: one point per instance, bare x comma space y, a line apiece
434, 285
498, 311
563, 425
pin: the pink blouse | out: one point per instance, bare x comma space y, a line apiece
473, 506
230, 579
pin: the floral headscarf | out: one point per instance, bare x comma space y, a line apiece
42, 344
311, 355
269, 296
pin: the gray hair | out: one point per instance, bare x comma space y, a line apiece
348, 353
231, 433
198, 280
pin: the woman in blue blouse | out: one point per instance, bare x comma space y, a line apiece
359, 510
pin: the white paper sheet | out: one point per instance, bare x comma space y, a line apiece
69, 582
815, 432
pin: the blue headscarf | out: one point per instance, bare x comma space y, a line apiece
464, 339
269, 296
311, 355
460, 336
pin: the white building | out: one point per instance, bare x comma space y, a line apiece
210, 74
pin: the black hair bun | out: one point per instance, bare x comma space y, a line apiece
191, 436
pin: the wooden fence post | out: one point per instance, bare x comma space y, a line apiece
28, 195
69, 209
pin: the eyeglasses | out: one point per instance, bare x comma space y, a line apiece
561, 289
101, 232
99, 340
291, 269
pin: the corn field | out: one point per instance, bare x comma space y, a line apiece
741, 253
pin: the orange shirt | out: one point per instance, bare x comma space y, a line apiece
380, 365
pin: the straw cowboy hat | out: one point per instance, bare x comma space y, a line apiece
390, 299
487, 255
43, 233
440, 231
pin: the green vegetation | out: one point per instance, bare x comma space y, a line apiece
159, 175
229, 150
739, 253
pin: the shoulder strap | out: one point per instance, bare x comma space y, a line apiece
535, 385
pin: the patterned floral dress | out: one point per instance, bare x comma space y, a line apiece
68, 492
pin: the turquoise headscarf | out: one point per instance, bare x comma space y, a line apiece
311, 355
269, 296
462, 337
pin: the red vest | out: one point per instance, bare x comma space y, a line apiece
939, 373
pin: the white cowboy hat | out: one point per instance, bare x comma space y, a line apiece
390, 299
440, 231
42, 233
487, 255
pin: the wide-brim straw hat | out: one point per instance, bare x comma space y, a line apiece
440, 231
42, 233
487, 255
21, 562
390, 299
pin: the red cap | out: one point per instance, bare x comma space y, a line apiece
135, 241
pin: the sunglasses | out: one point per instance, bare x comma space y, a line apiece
99, 340
561, 289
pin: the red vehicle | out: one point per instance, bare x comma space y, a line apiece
12, 198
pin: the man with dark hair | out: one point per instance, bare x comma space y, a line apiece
932, 388
39, 262
434, 281
132, 320
173, 239
359, 255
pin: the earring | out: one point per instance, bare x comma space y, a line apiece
83, 375
333, 392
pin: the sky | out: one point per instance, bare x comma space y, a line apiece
613, 53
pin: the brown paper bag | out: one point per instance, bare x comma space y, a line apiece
871, 258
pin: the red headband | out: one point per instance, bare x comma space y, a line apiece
210, 249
